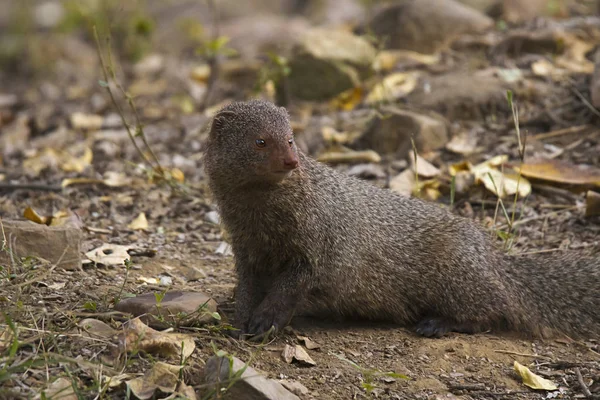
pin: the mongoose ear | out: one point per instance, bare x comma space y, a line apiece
219, 121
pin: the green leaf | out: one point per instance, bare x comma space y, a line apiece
102, 83
216, 316
90, 305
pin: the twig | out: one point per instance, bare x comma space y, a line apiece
584, 388
30, 186
213, 59
112, 96
514, 353
560, 132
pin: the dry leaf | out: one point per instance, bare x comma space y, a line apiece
91, 327
347, 100
592, 203
464, 143
559, 171
200, 73
70, 163
532, 380
139, 223
365, 156
309, 343
497, 182
162, 376
32, 215
424, 168
393, 87
109, 254
139, 336
403, 183
332, 136
89, 122
297, 352
6, 339
60, 389
429, 189
387, 60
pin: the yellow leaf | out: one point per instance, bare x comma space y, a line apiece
31, 215
347, 100
140, 223
559, 171
532, 380
77, 164
393, 87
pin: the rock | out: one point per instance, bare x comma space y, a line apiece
326, 62
515, 11
426, 26
212, 217
178, 307
461, 95
252, 385
297, 352
8, 100
595, 84
57, 244
392, 134
295, 387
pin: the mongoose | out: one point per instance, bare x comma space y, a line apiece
310, 240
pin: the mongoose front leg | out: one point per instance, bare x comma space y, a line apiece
279, 304
248, 295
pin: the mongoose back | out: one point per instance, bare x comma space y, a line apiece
310, 240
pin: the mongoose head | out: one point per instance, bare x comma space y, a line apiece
252, 142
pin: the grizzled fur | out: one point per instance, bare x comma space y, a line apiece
318, 242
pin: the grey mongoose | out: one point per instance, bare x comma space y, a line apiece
310, 240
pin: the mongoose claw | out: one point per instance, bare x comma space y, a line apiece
268, 317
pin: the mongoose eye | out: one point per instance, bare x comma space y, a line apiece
291, 141
260, 143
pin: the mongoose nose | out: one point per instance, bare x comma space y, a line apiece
290, 162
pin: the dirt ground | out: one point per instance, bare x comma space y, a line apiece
181, 243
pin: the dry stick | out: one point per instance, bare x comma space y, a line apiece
114, 101
560, 132
514, 353
213, 60
30, 186
584, 387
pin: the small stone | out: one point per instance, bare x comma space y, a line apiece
297, 352
57, 244
8, 100
180, 307
212, 217
295, 387
250, 385
392, 134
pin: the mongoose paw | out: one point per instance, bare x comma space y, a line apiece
267, 317
433, 327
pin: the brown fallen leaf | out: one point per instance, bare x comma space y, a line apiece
532, 380
161, 376
139, 336
91, 327
403, 183
347, 100
592, 203
60, 389
309, 343
559, 171
297, 352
